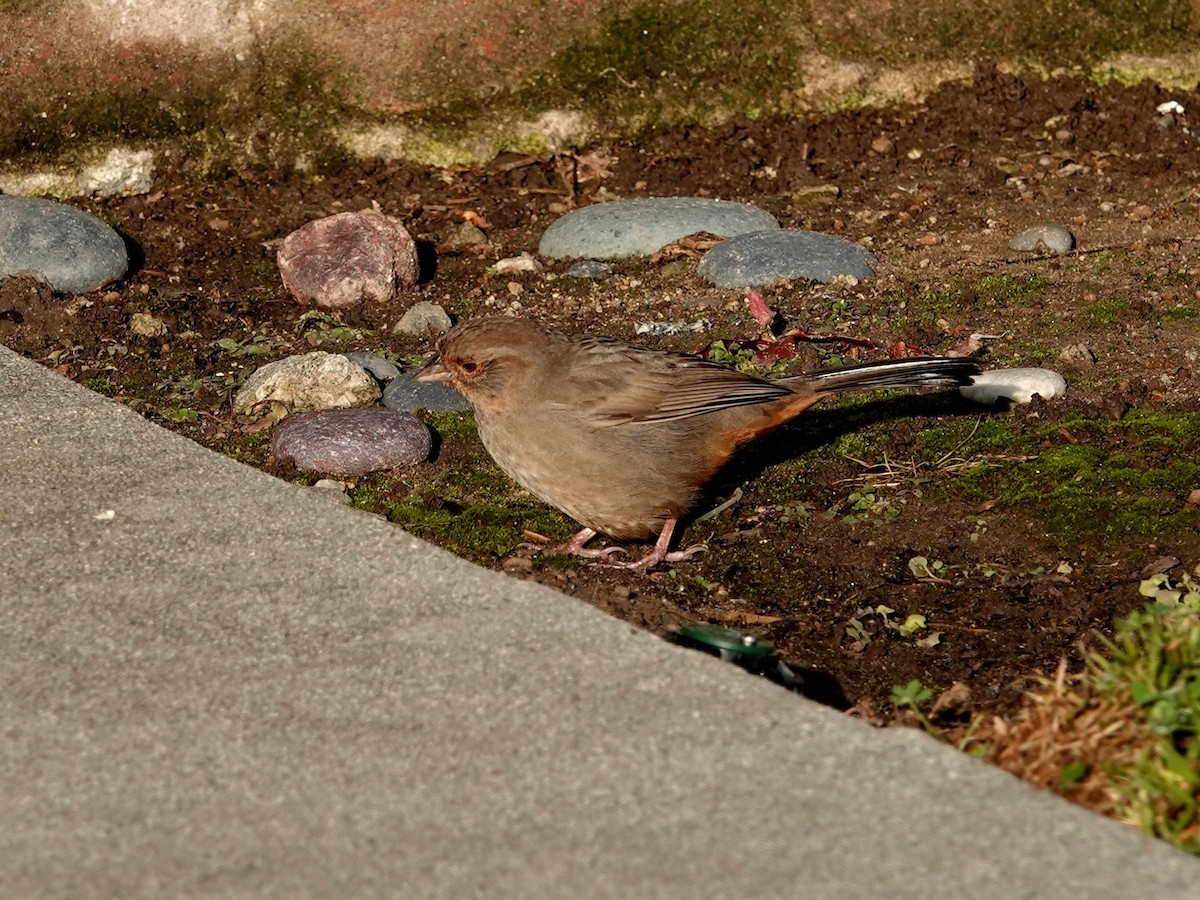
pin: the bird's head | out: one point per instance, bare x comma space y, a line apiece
485, 359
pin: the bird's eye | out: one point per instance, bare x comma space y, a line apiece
469, 366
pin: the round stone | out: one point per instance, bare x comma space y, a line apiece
351, 441
767, 257
72, 251
623, 228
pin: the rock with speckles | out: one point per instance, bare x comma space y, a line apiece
348, 259
350, 442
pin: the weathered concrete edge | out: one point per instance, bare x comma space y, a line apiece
696, 780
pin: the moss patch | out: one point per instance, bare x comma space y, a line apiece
1110, 479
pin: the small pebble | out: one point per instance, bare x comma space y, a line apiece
143, 324
351, 441
515, 264
348, 259
816, 193
590, 268
70, 250
664, 329
767, 257
623, 228
382, 370
1079, 354
310, 381
333, 489
468, 235
1016, 385
423, 320
409, 396
1053, 238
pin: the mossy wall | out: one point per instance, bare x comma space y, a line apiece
270, 82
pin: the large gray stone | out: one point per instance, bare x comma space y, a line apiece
623, 228
766, 257
73, 251
406, 394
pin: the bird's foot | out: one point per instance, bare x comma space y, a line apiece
654, 558
660, 553
575, 547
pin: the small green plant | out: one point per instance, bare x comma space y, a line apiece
257, 344
320, 328
860, 636
1153, 659
742, 359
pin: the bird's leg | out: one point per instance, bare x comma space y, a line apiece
660, 554
574, 547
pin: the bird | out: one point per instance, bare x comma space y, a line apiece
622, 437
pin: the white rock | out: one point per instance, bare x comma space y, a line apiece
1017, 385
308, 382
1054, 238
513, 264
123, 173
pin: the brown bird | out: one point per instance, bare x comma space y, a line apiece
622, 438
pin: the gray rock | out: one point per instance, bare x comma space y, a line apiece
351, 441
590, 268
1054, 238
624, 228
408, 395
467, 235
382, 370
311, 381
423, 319
348, 259
765, 257
72, 251
1078, 354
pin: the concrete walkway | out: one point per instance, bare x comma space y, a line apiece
213, 683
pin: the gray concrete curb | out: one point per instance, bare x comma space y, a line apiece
219, 684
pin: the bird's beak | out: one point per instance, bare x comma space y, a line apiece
432, 370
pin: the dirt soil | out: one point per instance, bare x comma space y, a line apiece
1015, 534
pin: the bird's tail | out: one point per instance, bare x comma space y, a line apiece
927, 371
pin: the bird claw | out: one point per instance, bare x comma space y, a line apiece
599, 553
654, 557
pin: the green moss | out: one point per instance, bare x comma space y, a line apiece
1179, 314
1053, 33
271, 114
654, 65
1104, 312
1008, 290
462, 501
1119, 478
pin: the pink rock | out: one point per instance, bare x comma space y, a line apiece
348, 259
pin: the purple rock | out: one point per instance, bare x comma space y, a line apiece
351, 441
348, 259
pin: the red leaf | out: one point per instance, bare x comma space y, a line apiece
763, 314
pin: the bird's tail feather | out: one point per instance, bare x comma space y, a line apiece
929, 371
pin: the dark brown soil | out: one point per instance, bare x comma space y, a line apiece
1036, 523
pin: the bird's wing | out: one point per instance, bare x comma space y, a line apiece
617, 384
